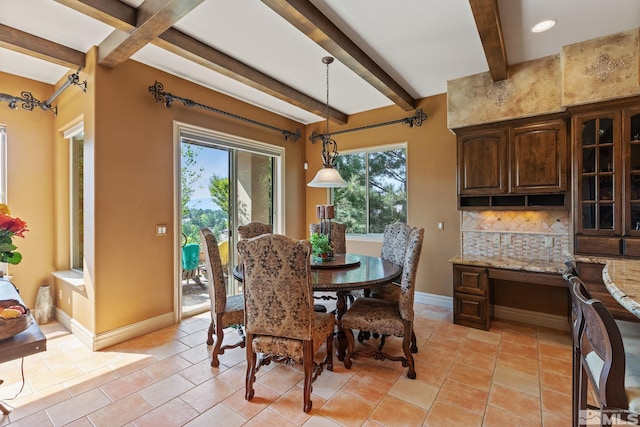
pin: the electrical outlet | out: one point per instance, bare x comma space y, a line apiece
507, 240
161, 230
440, 225
548, 241
496, 239
60, 294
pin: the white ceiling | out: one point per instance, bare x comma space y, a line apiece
420, 43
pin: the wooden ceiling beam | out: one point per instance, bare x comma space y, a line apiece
307, 18
28, 44
487, 17
123, 17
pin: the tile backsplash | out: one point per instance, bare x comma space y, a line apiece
540, 235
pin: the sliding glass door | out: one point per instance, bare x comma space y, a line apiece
223, 182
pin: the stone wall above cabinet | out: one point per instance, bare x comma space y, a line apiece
595, 70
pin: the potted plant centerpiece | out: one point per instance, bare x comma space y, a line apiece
321, 246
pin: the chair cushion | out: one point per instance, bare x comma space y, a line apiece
374, 315
234, 311
324, 326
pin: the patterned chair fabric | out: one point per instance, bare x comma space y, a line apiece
254, 229
338, 235
384, 317
394, 249
279, 319
225, 311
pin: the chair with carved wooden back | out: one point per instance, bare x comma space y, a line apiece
385, 317
254, 229
338, 235
609, 362
280, 322
226, 310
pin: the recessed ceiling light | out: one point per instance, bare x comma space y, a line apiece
543, 26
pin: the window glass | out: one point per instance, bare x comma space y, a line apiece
376, 194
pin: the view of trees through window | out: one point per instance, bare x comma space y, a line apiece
376, 194
205, 202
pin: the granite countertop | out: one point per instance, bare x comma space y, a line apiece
533, 265
622, 278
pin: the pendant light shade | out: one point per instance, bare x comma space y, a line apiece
328, 177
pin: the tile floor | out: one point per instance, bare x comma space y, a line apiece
512, 375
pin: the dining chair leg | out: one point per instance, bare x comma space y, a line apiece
414, 345
350, 346
252, 359
583, 385
307, 366
215, 362
406, 346
210, 333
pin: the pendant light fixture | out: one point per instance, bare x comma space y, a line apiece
328, 177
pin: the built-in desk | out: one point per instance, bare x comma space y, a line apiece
473, 279
27, 342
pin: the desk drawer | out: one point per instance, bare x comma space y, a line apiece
470, 280
471, 310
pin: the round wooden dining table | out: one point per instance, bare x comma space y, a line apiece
343, 274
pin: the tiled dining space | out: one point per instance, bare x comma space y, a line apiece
512, 375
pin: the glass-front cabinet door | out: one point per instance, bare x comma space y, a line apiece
598, 177
631, 140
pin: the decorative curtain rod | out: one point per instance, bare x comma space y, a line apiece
29, 102
415, 120
168, 98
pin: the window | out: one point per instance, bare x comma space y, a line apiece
75, 136
376, 194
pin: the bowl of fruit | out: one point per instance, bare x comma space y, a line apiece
14, 318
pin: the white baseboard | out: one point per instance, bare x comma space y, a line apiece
433, 299
537, 318
106, 339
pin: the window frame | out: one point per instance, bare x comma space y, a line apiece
76, 197
367, 151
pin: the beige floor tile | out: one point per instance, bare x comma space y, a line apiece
207, 394
392, 412
514, 401
125, 386
416, 392
517, 380
120, 412
445, 415
346, 409
218, 415
463, 396
173, 413
514, 374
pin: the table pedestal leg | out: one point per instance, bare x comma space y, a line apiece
341, 308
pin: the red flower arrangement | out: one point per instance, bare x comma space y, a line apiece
9, 227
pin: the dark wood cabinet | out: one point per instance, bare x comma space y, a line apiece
471, 297
607, 180
515, 165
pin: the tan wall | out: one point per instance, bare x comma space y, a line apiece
431, 154
30, 192
129, 272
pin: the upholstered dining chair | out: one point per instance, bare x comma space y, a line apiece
226, 310
338, 235
280, 322
609, 361
385, 317
254, 229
